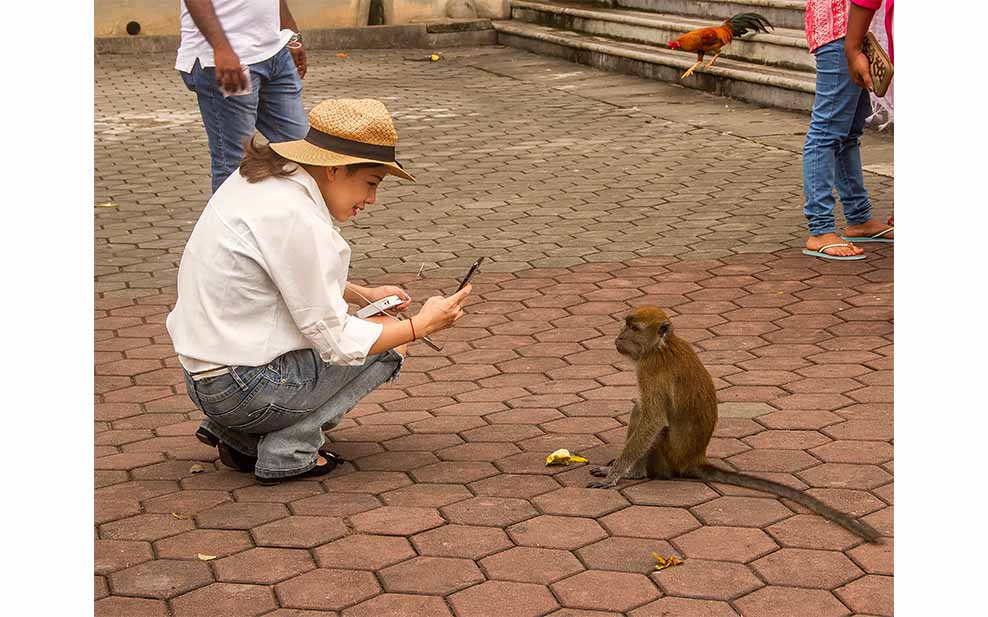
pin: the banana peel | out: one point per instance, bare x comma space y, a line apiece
562, 456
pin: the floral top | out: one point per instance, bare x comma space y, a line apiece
826, 21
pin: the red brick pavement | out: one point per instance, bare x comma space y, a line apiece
587, 208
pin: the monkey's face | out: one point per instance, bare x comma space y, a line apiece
645, 331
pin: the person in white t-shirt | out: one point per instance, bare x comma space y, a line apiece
245, 61
261, 324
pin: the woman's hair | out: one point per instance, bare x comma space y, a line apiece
261, 161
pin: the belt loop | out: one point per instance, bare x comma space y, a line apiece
237, 378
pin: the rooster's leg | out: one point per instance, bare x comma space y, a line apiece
709, 64
690, 70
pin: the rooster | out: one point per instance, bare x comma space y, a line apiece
715, 38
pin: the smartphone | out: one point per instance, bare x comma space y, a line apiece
380, 306
470, 273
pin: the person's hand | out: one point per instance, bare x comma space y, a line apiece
229, 74
859, 68
376, 293
300, 59
439, 313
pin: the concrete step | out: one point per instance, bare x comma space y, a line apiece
781, 13
783, 47
756, 83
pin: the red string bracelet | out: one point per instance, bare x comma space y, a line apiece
412, 323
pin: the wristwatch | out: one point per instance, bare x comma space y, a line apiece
295, 40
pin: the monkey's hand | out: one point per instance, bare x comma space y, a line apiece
599, 472
605, 483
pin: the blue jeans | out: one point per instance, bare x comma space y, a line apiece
278, 412
274, 107
832, 152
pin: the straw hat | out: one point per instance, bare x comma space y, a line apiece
344, 132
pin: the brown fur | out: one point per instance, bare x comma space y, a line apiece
672, 424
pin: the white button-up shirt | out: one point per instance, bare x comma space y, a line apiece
262, 274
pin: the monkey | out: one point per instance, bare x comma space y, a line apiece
672, 422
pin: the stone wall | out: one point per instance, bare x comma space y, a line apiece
160, 17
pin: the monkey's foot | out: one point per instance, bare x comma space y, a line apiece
599, 472
636, 474
602, 484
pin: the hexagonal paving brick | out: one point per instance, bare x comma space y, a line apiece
650, 522
489, 511
396, 520
225, 599
281, 493
725, 544
263, 566
464, 541
531, 565
454, 472
186, 502
672, 493
363, 552
398, 604
577, 501
516, 599
374, 482
241, 515
712, 580
119, 606
148, 527
161, 579
742, 511
523, 486
335, 504
206, 541
563, 532
875, 558
430, 575
685, 607
812, 531
625, 554
843, 475
327, 589
300, 531
113, 555
605, 591
426, 495
869, 594
806, 568
786, 601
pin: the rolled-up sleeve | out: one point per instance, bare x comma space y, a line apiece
304, 263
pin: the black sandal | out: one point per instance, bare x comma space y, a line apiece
230, 457
333, 460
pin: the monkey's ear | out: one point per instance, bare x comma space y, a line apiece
665, 329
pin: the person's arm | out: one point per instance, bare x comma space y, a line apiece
438, 313
228, 72
299, 56
859, 19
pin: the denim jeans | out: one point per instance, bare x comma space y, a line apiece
274, 107
278, 412
832, 152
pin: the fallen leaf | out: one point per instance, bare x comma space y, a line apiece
181, 517
108, 204
663, 563
197, 468
435, 57
342, 54
205, 557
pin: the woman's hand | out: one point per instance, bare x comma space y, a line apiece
376, 293
859, 68
439, 313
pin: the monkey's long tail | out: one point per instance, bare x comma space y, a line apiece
734, 478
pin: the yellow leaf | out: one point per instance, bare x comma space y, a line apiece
108, 204
435, 57
197, 468
205, 557
663, 563
342, 54
181, 517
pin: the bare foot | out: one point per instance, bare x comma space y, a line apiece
815, 243
868, 229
